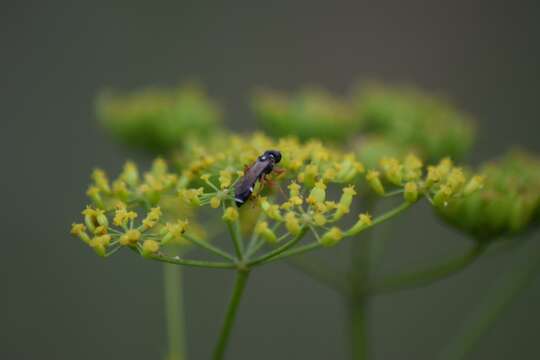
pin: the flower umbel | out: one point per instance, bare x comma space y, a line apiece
133, 213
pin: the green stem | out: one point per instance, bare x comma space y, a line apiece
361, 262
238, 290
359, 302
213, 249
296, 251
494, 304
385, 217
174, 316
236, 236
358, 329
271, 254
429, 275
194, 263
252, 244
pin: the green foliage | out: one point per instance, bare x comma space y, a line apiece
509, 202
309, 113
412, 119
158, 120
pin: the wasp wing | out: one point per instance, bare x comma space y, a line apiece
244, 187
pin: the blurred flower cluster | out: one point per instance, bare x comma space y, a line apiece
509, 203
310, 113
313, 193
409, 119
158, 119
381, 120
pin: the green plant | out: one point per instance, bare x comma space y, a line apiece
333, 193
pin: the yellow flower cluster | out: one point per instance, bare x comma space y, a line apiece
127, 211
441, 183
314, 190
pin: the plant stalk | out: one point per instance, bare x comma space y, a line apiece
230, 315
174, 312
362, 253
358, 329
359, 301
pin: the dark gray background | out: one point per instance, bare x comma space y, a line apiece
59, 301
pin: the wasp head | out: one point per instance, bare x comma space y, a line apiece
271, 154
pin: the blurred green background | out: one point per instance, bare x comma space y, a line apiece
59, 301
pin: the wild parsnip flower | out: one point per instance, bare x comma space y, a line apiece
311, 190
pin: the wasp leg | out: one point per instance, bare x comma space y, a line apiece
247, 167
263, 181
279, 172
272, 183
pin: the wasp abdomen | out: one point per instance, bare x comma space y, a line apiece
263, 166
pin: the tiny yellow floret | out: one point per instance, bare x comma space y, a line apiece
364, 221
215, 202
265, 232
292, 223
150, 247
345, 202
373, 179
230, 215
152, 218
130, 237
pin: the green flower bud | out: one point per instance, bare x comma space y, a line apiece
99, 245
411, 192
265, 232
317, 194
331, 237
130, 174
101, 218
344, 202
364, 221
373, 179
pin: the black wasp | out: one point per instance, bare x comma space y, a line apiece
256, 172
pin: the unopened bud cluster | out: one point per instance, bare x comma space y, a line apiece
508, 203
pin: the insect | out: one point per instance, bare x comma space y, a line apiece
256, 172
